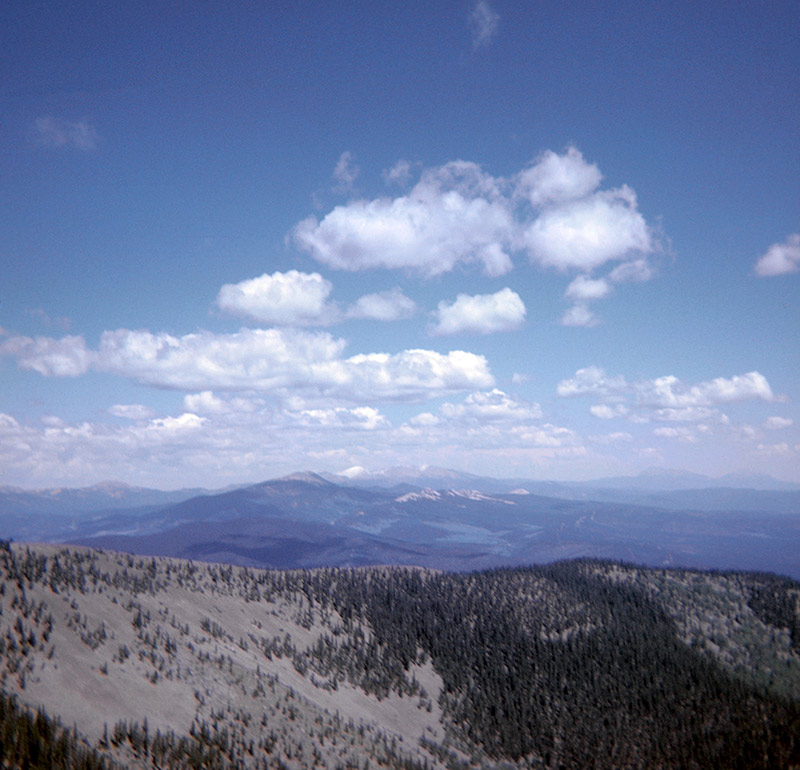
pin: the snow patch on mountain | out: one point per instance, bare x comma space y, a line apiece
436, 495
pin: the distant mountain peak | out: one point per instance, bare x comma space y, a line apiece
307, 477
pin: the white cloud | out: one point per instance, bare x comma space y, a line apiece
776, 450
592, 380
131, 411
57, 132
184, 423
586, 289
579, 315
204, 403
682, 434
778, 423
684, 414
424, 419
362, 417
412, 374
483, 24
492, 406
276, 360
346, 172
65, 357
260, 359
608, 411
558, 178
586, 233
635, 271
457, 215
454, 214
399, 174
390, 305
670, 392
483, 313
292, 298
781, 258
612, 438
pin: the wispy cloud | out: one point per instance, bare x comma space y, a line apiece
345, 173
391, 305
58, 132
483, 24
399, 174
579, 315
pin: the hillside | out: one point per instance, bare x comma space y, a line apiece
170, 663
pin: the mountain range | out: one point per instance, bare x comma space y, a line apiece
446, 520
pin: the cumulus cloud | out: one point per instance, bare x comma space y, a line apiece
346, 172
492, 406
361, 417
608, 411
457, 214
682, 434
454, 214
483, 313
586, 289
612, 438
582, 290
586, 233
205, 403
131, 411
781, 258
57, 132
489, 420
557, 178
778, 423
276, 360
777, 450
670, 392
666, 399
483, 24
591, 380
579, 315
65, 357
292, 298
391, 305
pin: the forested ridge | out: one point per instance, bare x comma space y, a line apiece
560, 662
580, 664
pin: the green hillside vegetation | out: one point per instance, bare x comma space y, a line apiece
581, 664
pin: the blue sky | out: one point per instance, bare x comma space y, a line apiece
549, 239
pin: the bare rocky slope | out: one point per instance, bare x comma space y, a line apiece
157, 662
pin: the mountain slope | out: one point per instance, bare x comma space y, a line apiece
576, 664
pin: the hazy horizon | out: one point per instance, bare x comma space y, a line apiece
523, 242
